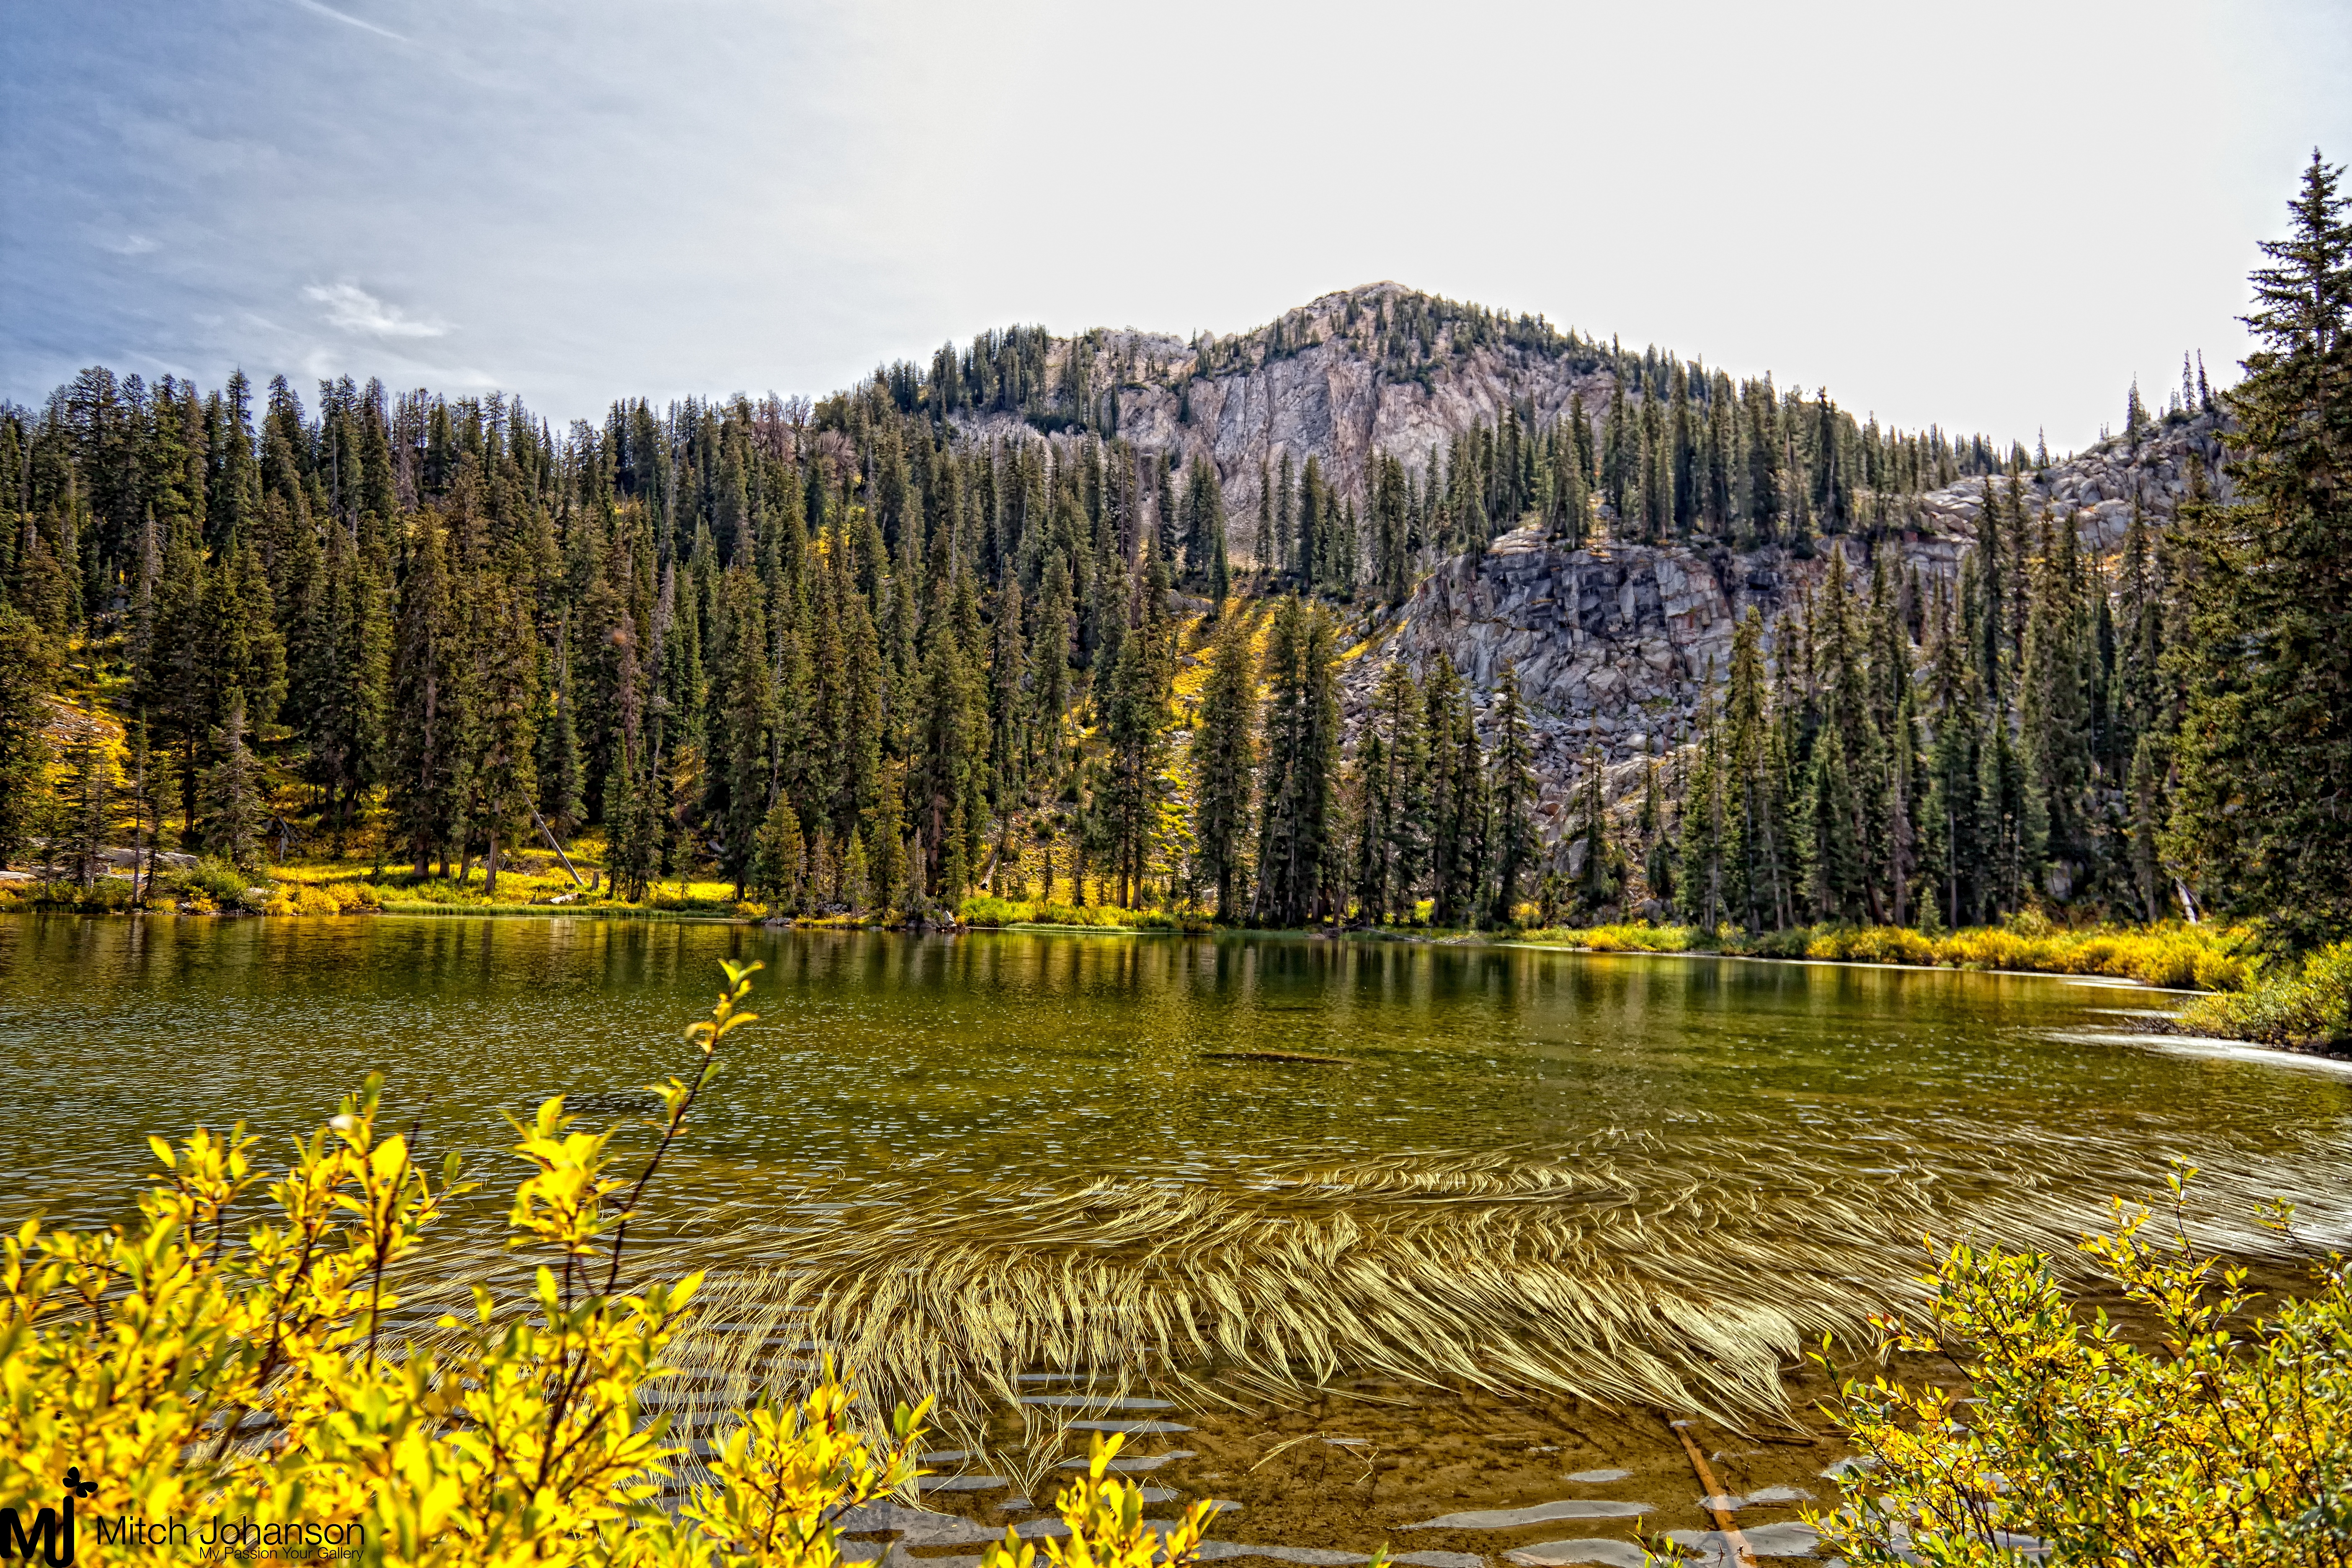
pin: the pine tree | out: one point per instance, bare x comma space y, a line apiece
2263, 816
1834, 885
1302, 737
1398, 714
429, 705
1134, 713
1657, 852
560, 763
748, 720
28, 672
1703, 829
1224, 766
88, 809
886, 829
1264, 550
1392, 525
1286, 536
232, 792
1759, 859
1444, 713
1009, 717
1471, 821
174, 683
503, 743
1513, 777
1762, 501
628, 834
149, 781
2145, 806
856, 888
1953, 855
1901, 830
1601, 873
1368, 801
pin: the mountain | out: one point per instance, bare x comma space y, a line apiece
1614, 627
1372, 369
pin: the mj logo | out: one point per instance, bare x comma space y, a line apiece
52, 1529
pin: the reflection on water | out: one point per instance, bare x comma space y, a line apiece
950, 1063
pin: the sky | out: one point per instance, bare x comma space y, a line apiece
1990, 216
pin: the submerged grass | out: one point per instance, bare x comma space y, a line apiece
1622, 1270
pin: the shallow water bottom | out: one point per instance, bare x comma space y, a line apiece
1452, 1481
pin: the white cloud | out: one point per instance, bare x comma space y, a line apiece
128, 245
351, 21
354, 310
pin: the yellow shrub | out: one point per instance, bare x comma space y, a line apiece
141, 1367
2226, 1445
1621, 938
2305, 1005
1870, 944
301, 898
2217, 970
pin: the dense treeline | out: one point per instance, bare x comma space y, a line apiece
849, 654
859, 655
684, 628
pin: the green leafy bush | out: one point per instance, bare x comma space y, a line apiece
985, 910
2216, 958
105, 895
215, 882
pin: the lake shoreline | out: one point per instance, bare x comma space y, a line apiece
2159, 1024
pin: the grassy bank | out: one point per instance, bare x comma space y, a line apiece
2306, 1006
994, 914
2202, 957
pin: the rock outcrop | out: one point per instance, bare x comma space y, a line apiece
1333, 398
1613, 644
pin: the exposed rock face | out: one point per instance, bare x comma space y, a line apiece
1613, 644
1329, 400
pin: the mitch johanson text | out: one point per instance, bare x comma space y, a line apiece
226, 1532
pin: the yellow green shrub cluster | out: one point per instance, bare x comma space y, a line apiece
2206, 956
1625, 937
203, 1365
2307, 1005
2227, 1442
985, 909
322, 898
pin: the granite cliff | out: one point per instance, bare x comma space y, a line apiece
1613, 642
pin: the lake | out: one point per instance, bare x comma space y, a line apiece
1542, 1185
